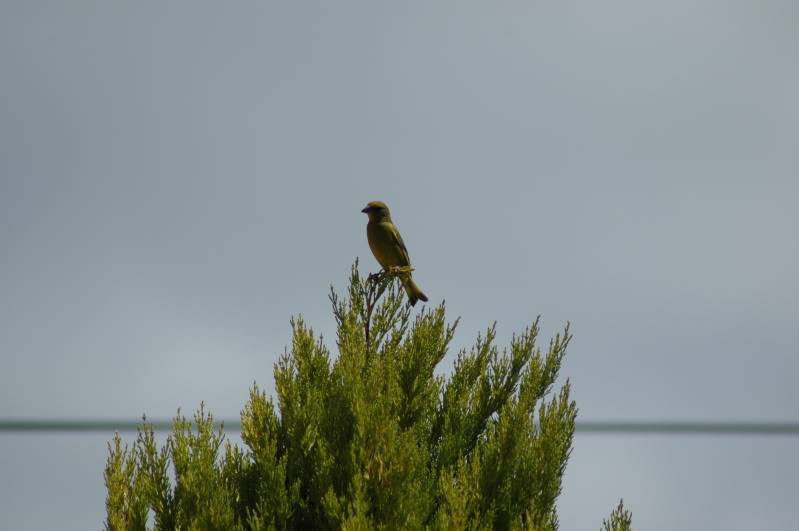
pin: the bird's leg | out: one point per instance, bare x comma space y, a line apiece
390, 271
399, 270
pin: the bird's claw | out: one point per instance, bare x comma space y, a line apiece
391, 271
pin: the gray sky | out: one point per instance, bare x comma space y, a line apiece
177, 179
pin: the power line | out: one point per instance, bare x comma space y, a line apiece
581, 427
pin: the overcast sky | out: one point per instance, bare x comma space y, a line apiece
178, 178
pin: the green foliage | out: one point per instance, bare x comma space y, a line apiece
370, 438
620, 519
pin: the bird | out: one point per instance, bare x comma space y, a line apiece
388, 248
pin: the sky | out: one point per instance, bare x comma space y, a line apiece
177, 179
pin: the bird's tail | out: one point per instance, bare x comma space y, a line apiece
413, 291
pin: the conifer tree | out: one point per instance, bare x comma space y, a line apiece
370, 438
620, 519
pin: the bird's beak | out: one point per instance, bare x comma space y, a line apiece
365, 210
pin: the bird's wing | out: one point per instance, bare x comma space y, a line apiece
400, 244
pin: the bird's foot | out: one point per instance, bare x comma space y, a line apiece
392, 271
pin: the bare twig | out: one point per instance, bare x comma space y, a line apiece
376, 285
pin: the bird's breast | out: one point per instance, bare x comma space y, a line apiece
384, 245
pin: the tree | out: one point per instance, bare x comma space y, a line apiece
371, 438
620, 519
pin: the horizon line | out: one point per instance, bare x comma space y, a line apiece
598, 427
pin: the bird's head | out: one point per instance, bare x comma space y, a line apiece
377, 211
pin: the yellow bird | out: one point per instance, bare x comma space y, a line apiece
389, 249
